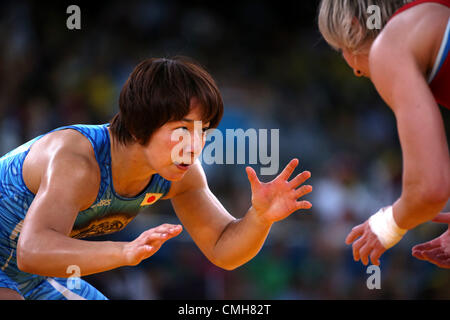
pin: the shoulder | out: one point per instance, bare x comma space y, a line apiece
63, 160
68, 148
194, 179
416, 32
403, 54
419, 16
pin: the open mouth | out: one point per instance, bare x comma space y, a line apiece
182, 166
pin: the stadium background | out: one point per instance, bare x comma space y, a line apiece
274, 71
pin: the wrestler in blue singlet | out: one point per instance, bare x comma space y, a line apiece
109, 213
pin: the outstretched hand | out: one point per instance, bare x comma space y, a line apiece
277, 199
436, 251
367, 246
148, 243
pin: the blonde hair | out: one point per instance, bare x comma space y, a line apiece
342, 23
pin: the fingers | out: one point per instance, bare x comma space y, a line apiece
252, 177
286, 173
303, 205
368, 247
442, 261
438, 257
427, 245
156, 236
300, 179
434, 253
149, 242
443, 217
357, 246
355, 233
152, 239
303, 190
170, 229
375, 255
418, 254
419, 250
364, 253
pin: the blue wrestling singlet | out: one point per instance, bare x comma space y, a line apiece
109, 213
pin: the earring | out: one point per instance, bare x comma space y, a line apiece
357, 72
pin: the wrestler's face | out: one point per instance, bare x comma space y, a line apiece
175, 146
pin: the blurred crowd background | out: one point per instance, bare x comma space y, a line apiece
275, 72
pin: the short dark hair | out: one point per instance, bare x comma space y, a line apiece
160, 90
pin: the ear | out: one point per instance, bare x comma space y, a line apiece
135, 140
356, 24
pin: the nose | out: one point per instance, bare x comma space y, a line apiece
195, 146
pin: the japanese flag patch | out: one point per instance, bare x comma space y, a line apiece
150, 198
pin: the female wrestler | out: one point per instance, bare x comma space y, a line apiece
84, 180
408, 62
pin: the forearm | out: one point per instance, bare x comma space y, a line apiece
240, 241
409, 212
426, 161
51, 253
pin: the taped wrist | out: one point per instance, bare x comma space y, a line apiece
386, 229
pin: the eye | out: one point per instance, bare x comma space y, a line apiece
182, 128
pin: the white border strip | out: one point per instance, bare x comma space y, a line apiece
64, 291
441, 52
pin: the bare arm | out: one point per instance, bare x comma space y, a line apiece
397, 73
226, 241
44, 246
69, 184
230, 242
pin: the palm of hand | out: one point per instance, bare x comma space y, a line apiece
445, 241
277, 199
436, 251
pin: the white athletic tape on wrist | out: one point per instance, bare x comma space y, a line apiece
383, 225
